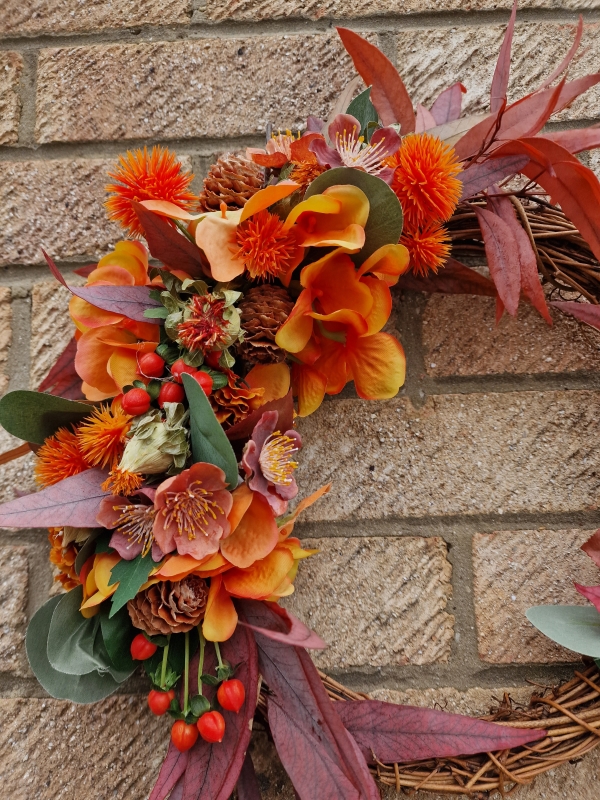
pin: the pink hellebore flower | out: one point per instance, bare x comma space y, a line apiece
192, 510
132, 522
267, 460
350, 150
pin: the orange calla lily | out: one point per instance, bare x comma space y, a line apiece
335, 218
95, 576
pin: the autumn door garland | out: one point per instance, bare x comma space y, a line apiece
165, 434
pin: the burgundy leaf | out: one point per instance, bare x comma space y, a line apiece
247, 785
474, 139
447, 107
425, 119
297, 635
591, 593
585, 312
213, 770
63, 380
405, 733
168, 245
310, 738
478, 177
533, 124
502, 71
388, 92
74, 501
592, 548
285, 407
171, 771
568, 58
499, 309
502, 257
576, 140
452, 278
86, 271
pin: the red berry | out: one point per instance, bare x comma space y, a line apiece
141, 648
170, 393
159, 702
136, 402
231, 695
205, 380
151, 365
183, 735
211, 726
212, 359
179, 367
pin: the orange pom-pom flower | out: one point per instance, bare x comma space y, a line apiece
102, 436
58, 458
429, 247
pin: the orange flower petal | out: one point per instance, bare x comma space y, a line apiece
295, 332
167, 209
242, 497
332, 363
262, 578
103, 566
344, 316
351, 239
112, 275
286, 529
220, 619
123, 367
378, 366
382, 304
87, 316
387, 263
255, 535
91, 362
216, 235
274, 378
309, 386
263, 159
317, 204
335, 282
266, 197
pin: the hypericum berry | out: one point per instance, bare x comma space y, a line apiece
136, 402
231, 695
141, 648
183, 735
151, 365
212, 359
170, 393
179, 367
159, 701
211, 726
205, 380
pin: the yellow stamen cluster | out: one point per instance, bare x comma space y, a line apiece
136, 522
190, 510
276, 459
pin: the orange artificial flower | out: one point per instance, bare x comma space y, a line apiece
146, 176
283, 149
63, 557
58, 458
103, 435
429, 247
95, 577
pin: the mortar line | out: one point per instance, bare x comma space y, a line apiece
18, 361
464, 648
27, 89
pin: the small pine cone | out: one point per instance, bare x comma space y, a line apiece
232, 180
170, 606
264, 309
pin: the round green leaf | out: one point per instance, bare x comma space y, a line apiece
574, 627
74, 640
33, 416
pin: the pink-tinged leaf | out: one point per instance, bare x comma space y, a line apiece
592, 548
247, 785
452, 278
584, 312
447, 106
86, 271
424, 119
388, 92
577, 140
63, 380
502, 257
530, 281
405, 733
297, 634
478, 177
499, 310
213, 769
476, 137
168, 245
568, 58
284, 406
502, 71
74, 502
315, 748
171, 771
591, 593
536, 125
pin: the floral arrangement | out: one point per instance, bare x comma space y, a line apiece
165, 434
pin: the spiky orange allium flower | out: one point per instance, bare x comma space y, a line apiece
429, 247
144, 176
102, 435
266, 248
425, 181
122, 482
58, 458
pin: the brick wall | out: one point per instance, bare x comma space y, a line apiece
455, 506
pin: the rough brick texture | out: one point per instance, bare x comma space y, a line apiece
458, 454
11, 66
515, 570
13, 609
377, 602
5, 334
51, 327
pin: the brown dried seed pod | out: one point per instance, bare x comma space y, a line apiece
232, 180
170, 606
264, 309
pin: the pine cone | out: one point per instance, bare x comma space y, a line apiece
232, 180
264, 309
170, 606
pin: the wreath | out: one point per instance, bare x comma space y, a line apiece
165, 434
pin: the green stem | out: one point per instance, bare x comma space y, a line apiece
218, 652
201, 661
184, 230
163, 672
186, 677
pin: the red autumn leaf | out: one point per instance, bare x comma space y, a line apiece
502, 71
388, 92
447, 106
475, 138
424, 120
247, 786
591, 593
171, 771
568, 58
63, 380
452, 278
592, 548
499, 309
297, 634
585, 312
213, 769
74, 501
285, 407
502, 257
405, 733
168, 245
576, 140
530, 281
315, 748
478, 177
86, 271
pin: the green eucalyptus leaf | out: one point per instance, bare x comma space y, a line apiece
117, 634
209, 442
575, 627
88, 549
34, 416
363, 109
73, 639
384, 225
131, 576
156, 313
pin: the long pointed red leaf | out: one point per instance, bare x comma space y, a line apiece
63, 380
388, 92
502, 257
577, 140
452, 278
74, 501
592, 548
168, 245
502, 71
297, 634
247, 786
405, 733
171, 771
473, 140
568, 58
584, 312
447, 106
591, 593
425, 119
478, 177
